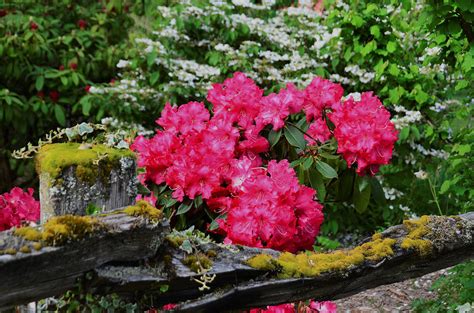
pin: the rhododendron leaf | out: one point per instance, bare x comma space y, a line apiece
183, 208
307, 163
197, 201
64, 81
361, 198
329, 156
86, 106
170, 202
363, 182
295, 163
154, 78
214, 225
274, 137
295, 137
75, 79
325, 169
346, 185
377, 191
316, 181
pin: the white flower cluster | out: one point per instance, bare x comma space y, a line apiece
409, 117
440, 154
363, 75
392, 193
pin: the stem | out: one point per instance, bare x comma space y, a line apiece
433, 192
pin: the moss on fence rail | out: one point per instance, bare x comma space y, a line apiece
422, 236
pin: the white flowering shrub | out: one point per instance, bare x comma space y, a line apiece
363, 45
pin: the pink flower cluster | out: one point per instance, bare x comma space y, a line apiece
364, 132
17, 207
219, 157
313, 307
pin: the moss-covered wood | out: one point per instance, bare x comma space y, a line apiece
76, 176
37, 262
434, 243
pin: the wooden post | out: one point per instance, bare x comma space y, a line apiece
79, 178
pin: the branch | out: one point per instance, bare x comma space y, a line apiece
235, 285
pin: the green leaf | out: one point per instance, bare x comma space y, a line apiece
361, 199
75, 79
404, 133
64, 80
154, 78
183, 208
357, 21
377, 191
391, 46
393, 69
164, 288
39, 82
60, 115
274, 137
325, 169
363, 182
375, 31
295, 137
86, 107
214, 225
307, 163
421, 96
445, 186
316, 181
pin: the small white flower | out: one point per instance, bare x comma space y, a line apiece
421, 175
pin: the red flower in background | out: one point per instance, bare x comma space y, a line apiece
33, 26
17, 207
54, 95
3, 12
82, 24
87, 88
61, 67
40, 94
73, 66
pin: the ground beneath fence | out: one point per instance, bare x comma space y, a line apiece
390, 298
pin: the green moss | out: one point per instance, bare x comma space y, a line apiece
10, 251
29, 233
417, 229
54, 158
175, 241
25, 249
61, 229
211, 253
144, 209
313, 264
197, 262
262, 261
37, 246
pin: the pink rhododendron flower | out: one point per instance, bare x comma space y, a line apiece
282, 308
320, 94
237, 99
318, 130
364, 133
323, 306
17, 207
150, 198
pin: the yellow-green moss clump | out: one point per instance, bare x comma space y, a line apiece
59, 230
144, 209
313, 264
25, 249
197, 262
29, 233
54, 158
417, 229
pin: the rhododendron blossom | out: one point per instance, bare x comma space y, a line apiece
313, 307
364, 133
17, 207
223, 157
